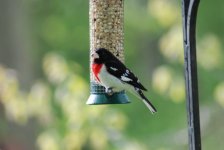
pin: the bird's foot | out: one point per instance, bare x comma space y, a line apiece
109, 91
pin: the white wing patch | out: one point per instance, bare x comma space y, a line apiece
114, 69
138, 81
126, 79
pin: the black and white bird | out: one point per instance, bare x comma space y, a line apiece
111, 73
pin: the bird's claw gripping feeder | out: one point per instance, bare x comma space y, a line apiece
106, 31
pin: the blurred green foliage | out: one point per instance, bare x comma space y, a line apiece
54, 105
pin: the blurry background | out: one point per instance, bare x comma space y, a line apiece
44, 78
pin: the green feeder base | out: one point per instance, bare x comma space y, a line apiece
99, 96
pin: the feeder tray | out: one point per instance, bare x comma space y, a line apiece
98, 96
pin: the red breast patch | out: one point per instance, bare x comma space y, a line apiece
96, 69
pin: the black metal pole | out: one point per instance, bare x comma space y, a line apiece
189, 12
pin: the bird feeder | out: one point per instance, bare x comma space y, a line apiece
106, 31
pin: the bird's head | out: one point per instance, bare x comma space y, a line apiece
102, 55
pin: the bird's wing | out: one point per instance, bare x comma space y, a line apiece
118, 69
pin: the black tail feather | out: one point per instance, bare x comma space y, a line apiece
146, 101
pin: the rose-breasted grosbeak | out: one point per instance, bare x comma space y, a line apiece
111, 73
